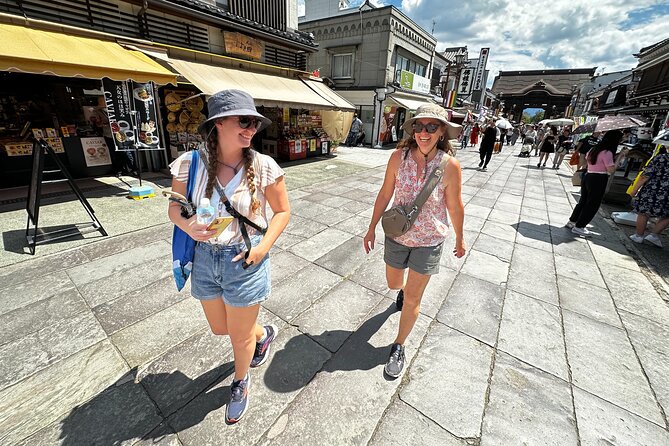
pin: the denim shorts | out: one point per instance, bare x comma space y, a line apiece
215, 275
422, 259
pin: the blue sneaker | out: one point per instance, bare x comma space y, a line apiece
262, 348
239, 400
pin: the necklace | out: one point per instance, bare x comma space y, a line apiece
234, 168
425, 155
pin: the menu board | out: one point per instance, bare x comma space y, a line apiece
117, 99
96, 152
185, 113
26, 148
144, 103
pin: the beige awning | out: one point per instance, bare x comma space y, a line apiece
267, 90
410, 103
330, 95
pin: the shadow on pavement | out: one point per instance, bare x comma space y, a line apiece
15, 241
123, 411
355, 354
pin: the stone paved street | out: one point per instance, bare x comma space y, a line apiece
535, 337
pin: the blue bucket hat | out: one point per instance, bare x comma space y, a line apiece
231, 103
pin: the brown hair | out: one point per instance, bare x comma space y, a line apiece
410, 143
212, 169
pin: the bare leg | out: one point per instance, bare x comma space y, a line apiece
395, 278
641, 222
214, 310
242, 328
660, 226
413, 293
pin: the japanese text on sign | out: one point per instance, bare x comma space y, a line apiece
480, 69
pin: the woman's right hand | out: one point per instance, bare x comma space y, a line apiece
368, 241
198, 231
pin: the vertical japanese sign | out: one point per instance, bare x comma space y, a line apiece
480, 70
144, 100
117, 99
465, 81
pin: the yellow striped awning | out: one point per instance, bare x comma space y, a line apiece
25, 50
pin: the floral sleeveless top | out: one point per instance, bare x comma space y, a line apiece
431, 226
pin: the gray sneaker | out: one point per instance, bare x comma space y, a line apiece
239, 400
262, 348
395, 362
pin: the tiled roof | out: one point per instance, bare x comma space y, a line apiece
561, 81
295, 36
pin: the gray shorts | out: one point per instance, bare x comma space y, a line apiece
423, 260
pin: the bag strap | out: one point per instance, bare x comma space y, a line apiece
192, 174
430, 184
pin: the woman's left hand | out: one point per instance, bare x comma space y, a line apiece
460, 248
255, 256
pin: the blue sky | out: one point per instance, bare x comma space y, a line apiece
531, 35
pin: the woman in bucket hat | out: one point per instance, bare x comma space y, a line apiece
231, 272
419, 249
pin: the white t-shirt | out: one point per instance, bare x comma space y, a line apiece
267, 171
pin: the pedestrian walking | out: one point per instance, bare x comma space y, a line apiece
547, 146
354, 132
600, 165
464, 136
501, 135
583, 147
651, 199
515, 134
541, 132
562, 148
474, 137
418, 249
487, 144
231, 272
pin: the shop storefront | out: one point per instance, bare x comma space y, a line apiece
51, 87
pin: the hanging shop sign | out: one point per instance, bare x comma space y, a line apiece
412, 81
465, 82
480, 69
241, 45
131, 109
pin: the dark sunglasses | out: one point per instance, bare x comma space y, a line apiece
431, 128
246, 121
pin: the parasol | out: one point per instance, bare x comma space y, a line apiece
588, 127
503, 124
560, 121
617, 122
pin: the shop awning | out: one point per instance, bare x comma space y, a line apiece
267, 90
25, 50
410, 103
330, 95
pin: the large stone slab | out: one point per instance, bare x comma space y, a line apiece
274, 386
154, 335
534, 239
486, 266
650, 342
474, 307
304, 227
580, 270
327, 324
47, 396
527, 406
298, 292
587, 300
402, 424
473, 210
320, 244
372, 274
345, 258
436, 291
30, 318
499, 230
603, 363
123, 261
531, 330
502, 249
127, 242
284, 265
634, 293
25, 293
602, 423
567, 245
613, 254
453, 368
532, 273
12, 275
52, 343
346, 400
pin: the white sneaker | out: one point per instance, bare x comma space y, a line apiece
654, 239
570, 224
581, 231
636, 238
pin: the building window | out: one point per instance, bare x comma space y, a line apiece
342, 66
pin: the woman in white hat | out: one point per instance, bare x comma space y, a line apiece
231, 272
419, 249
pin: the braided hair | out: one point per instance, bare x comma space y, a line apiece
212, 168
250, 178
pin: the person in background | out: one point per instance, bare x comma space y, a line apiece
515, 134
474, 137
601, 164
229, 278
354, 133
547, 146
541, 132
651, 199
487, 144
562, 148
419, 249
501, 136
464, 136
584, 146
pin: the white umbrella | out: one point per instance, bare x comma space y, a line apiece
560, 121
543, 121
503, 124
662, 137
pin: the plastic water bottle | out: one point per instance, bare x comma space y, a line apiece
205, 212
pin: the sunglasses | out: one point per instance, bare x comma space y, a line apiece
431, 128
246, 121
